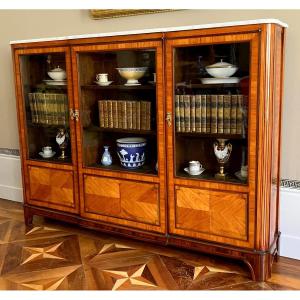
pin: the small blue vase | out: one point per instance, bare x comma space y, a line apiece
106, 159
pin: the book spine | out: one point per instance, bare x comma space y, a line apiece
129, 114
148, 115
138, 115
101, 113
181, 108
110, 114
193, 113
66, 109
214, 114
105, 110
120, 116
187, 113
143, 115
208, 113
245, 117
226, 113
233, 114
134, 115
203, 113
239, 115
55, 109
177, 113
35, 107
61, 110
124, 114
44, 108
115, 114
220, 111
49, 99
198, 112
30, 100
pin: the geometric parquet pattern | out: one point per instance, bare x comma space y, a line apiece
56, 256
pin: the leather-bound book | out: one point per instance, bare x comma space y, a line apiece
134, 115
193, 113
208, 113
233, 114
115, 114
181, 108
214, 114
124, 114
226, 113
198, 113
138, 115
177, 113
129, 114
101, 113
220, 113
187, 113
203, 113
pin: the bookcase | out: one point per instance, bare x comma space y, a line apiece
178, 116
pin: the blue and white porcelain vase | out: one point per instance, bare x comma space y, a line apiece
131, 152
106, 159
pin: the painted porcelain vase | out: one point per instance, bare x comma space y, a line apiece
131, 152
106, 159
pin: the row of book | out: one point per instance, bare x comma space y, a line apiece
125, 114
49, 108
211, 113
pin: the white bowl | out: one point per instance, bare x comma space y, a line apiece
221, 69
132, 74
221, 72
57, 74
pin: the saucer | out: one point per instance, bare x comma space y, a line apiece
196, 174
107, 83
55, 82
220, 80
47, 155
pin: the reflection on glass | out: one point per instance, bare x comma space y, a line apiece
118, 102
211, 91
46, 102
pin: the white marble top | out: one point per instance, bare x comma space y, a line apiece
152, 30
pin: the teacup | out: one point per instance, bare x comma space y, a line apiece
244, 171
47, 150
194, 167
102, 77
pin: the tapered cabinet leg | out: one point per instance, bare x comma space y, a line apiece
28, 217
260, 266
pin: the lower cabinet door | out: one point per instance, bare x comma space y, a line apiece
219, 216
123, 202
52, 188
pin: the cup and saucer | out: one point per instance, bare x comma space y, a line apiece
194, 168
47, 152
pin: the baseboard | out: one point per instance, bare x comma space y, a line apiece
11, 193
290, 222
10, 177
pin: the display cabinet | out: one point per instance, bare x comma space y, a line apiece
171, 137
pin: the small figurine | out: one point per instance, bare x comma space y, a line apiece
62, 139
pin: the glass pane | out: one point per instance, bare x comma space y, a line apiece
46, 104
118, 101
210, 101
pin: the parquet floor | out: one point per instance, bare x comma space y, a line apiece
56, 256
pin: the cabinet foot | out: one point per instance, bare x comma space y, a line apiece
28, 216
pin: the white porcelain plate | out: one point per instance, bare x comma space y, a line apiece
47, 155
220, 80
195, 174
107, 83
55, 82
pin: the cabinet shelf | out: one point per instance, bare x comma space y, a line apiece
120, 130
119, 87
207, 175
211, 135
208, 86
146, 169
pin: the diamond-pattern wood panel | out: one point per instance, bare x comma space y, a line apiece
122, 199
51, 187
213, 212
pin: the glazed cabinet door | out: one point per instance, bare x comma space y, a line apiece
121, 157
212, 83
47, 129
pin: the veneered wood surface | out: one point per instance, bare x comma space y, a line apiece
199, 211
52, 188
125, 202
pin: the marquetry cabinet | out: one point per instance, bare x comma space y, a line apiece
226, 127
